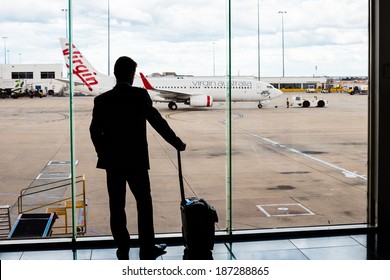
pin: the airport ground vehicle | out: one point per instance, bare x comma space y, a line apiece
10, 88
353, 90
299, 101
9, 93
364, 89
310, 89
357, 89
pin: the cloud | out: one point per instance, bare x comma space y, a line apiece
188, 36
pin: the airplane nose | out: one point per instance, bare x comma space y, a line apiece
277, 92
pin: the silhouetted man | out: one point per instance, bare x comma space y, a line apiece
118, 132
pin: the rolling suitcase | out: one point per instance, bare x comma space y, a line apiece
198, 221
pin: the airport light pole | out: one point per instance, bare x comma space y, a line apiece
5, 49
66, 22
214, 58
258, 40
282, 13
108, 38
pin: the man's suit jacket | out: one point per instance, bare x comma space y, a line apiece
118, 128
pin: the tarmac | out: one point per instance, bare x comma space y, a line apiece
291, 167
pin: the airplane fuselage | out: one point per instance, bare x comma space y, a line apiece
242, 89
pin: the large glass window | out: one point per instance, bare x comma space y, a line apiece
295, 166
291, 166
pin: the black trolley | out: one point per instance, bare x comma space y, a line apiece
198, 222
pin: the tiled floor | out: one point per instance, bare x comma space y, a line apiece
347, 247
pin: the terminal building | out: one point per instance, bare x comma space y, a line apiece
297, 82
318, 83
35, 76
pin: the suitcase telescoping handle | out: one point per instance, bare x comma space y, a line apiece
183, 199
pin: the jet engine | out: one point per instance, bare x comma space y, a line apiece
201, 101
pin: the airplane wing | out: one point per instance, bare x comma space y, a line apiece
165, 94
172, 95
76, 83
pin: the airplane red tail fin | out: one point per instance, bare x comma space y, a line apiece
146, 83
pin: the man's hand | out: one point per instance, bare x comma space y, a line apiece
181, 146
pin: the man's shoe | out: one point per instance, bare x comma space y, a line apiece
160, 247
156, 251
122, 255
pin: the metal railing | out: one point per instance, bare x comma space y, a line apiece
32, 199
5, 221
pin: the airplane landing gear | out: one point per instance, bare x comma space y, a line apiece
260, 105
172, 105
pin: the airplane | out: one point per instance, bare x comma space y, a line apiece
12, 88
203, 91
194, 91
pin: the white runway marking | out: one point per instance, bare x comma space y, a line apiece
347, 173
284, 210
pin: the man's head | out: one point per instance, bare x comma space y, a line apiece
124, 69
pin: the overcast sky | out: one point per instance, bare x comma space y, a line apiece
323, 37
